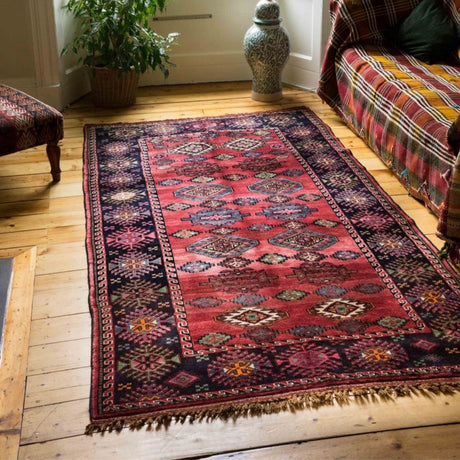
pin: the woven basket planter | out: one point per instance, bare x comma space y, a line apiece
112, 87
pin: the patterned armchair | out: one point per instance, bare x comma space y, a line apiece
26, 122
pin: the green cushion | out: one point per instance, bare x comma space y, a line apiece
428, 33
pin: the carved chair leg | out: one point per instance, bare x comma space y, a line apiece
54, 155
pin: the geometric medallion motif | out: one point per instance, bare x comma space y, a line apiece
195, 267
260, 164
183, 379
249, 299
134, 264
310, 359
222, 246
275, 186
252, 316
138, 293
235, 262
448, 327
238, 369
131, 237
216, 217
303, 239
244, 144
321, 273
352, 326
198, 169
372, 355
341, 308
435, 299
403, 269
126, 214
148, 362
394, 245
242, 280
260, 334
214, 339
331, 291
288, 212
193, 148
203, 191
206, 302
141, 326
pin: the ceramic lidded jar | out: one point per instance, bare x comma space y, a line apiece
266, 48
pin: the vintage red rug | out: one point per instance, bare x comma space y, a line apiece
248, 264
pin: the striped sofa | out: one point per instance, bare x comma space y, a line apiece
400, 106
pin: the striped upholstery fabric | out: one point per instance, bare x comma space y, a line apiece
400, 106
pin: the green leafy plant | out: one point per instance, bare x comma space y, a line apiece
117, 34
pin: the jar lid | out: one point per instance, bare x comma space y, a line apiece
267, 13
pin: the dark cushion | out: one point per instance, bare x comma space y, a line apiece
428, 33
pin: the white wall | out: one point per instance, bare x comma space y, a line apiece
33, 33
16, 52
308, 26
31, 40
212, 49
209, 49
72, 76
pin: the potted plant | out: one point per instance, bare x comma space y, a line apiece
118, 44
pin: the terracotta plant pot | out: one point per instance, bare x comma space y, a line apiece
113, 87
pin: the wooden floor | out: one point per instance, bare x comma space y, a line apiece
34, 213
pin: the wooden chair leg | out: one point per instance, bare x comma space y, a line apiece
54, 155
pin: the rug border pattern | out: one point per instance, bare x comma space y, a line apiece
268, 403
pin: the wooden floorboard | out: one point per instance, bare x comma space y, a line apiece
417, 444
13, 368
55, 429
50, 217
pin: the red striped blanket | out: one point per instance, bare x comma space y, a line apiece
400, 106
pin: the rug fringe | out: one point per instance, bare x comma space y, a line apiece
314, 400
